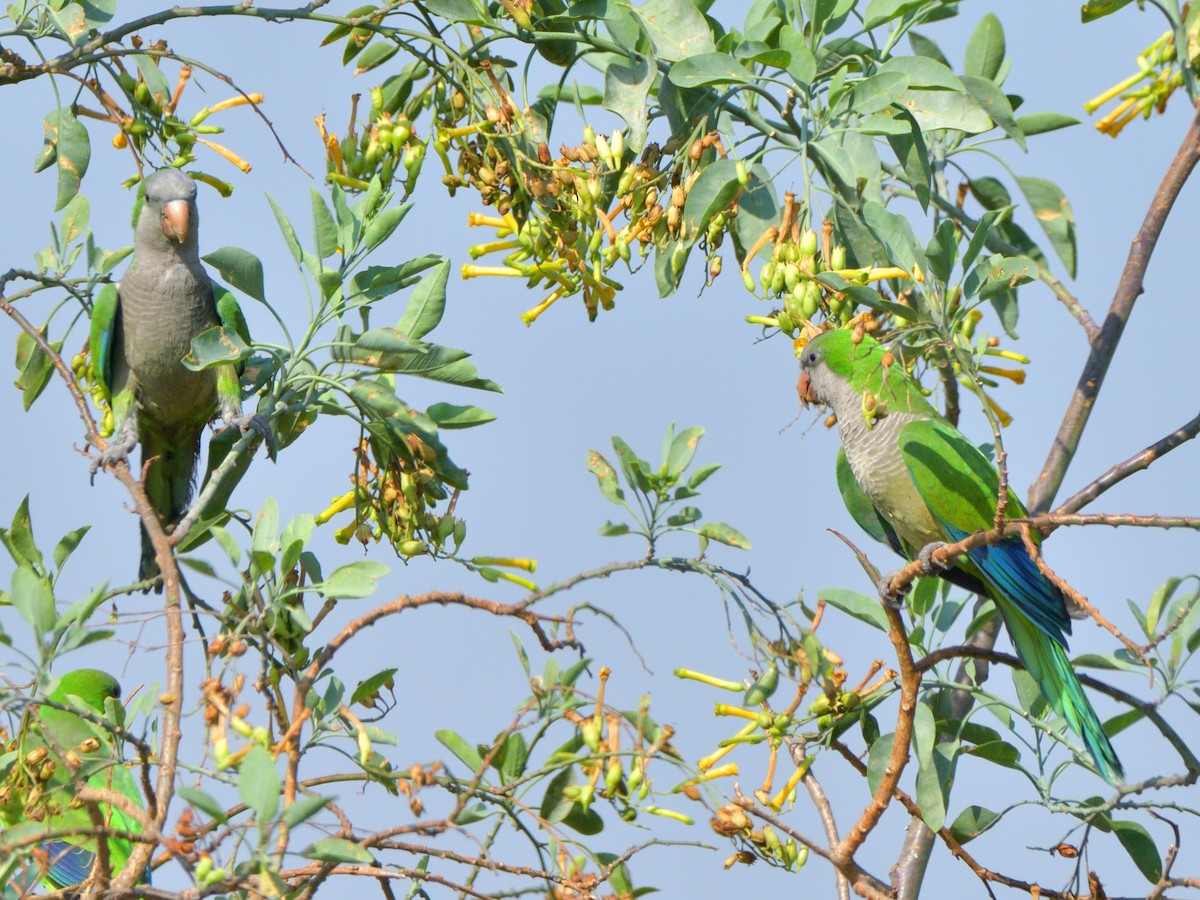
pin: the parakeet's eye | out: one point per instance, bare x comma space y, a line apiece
812, 357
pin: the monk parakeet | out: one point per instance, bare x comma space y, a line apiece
56, 748
141, 332
912, 480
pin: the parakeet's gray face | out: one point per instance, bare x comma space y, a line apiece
171, 196
811, 377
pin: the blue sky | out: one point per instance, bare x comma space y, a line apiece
569, 386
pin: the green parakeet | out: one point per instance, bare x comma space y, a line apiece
912, 480
38, 787
141, 332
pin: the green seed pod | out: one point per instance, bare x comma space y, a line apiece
791, 276
613, 773
777, 280
812, 299
785, 322
766, 274
837, 257
808, 243
763, 687
747, 280
793, 303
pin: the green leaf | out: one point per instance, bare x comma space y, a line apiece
1098, 9
677, 28
606, 475
425, 307
217, 346
370, 686
65, 547
352, 581
289, 233
258, 785
376, 54
996, 104
924, 72
880, 12
324, 228
877, 761
948, 110
865, 609
1040, 123
583, 94
708, 69
627, 93
450, 416
711, 193
32, 597
933, 784
635, 468
942, 250
19, 541
240, 269
1001, 274
723, 534
339, 850
303, 809
585, 821
681, 450
985, 48
65, 142
510, 760
1141, 848
1053, 212
1029, 694
204, 802
972, 822
878, 92
803, 65
979, 238
382, 224
461, 749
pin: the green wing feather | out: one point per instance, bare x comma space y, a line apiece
960, 486
106, 306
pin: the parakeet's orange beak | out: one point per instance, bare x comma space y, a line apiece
804, 389
176, 218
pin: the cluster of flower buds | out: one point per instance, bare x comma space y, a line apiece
152, 119
758, 843
565, 222
1160, 73
618, 775
792, 274
396, 502
385, 147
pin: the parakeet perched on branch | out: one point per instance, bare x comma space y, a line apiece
912, 480
141, 331
58, 749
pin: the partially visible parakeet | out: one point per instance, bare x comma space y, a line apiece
54, 749
141, 331
912, 480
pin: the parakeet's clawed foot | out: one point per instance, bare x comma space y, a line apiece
256, 423
118, 449
929, 564
892, 597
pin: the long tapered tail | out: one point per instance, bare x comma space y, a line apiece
168, 485
1046, 660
